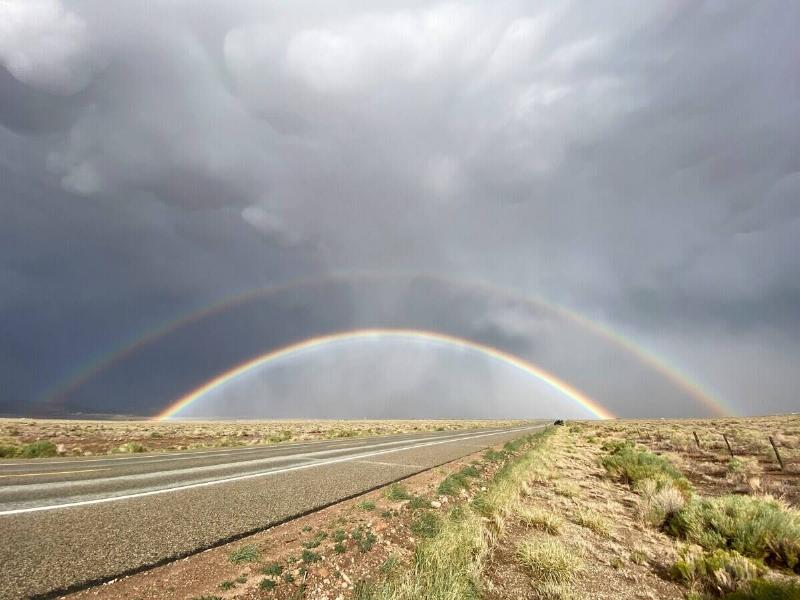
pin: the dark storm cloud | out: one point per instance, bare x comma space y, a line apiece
639, 162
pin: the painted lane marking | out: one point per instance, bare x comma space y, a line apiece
253, 475
389, 464
54, 473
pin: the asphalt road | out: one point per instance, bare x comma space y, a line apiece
66, 523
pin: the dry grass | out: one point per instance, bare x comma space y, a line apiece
542, 519
87, 438
592, 521
549, 560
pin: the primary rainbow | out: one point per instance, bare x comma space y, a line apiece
220, 380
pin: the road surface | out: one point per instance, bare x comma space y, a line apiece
70, 522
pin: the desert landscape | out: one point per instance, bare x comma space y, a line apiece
36, 438
606, 510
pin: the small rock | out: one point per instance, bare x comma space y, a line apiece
436, 504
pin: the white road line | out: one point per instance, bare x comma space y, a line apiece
254, 475
389, 464
53, 473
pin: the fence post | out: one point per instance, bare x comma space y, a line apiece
777, 454
696, 439
728, 444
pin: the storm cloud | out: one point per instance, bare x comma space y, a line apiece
638, 163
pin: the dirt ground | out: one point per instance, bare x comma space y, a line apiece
87, 438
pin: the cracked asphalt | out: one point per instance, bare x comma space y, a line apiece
67, 523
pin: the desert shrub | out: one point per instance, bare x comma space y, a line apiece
593, 522
719, 571
453, 484
244, 554
759, 527
131, 448
38, 449
631, 465
426, 525
658, 502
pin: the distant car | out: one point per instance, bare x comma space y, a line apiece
558, 422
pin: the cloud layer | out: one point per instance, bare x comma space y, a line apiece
639, 163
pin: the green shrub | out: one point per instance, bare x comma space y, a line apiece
365, 539
630, 465
470, 471
9, 451
717, 571
316, 540
767, 590
39, 449
494, 455
417, 502
761, 528
366, 505
272, 569
309, 556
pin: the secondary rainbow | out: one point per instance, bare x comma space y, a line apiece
658, 363
226, 377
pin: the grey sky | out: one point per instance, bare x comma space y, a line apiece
636, 162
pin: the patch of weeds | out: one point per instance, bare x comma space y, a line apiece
426, 525
417, 502
494, 455
130, 448
543, 520
470, 471
272, 569
282, 436
339, 548
365, 539
288, 577
363, 590
638, 556
549, 590
366, 505
206, 598
547, 559
389, 566
397, 492
761, 528
307, 528
316, 540
241, 579
244, 554
226, 585
266, 584
339, 535
617, 562
453, 484
658, 501
309, 556
38, 449
593, 522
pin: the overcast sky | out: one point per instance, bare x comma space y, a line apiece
636, 162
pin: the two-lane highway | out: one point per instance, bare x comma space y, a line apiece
68, 522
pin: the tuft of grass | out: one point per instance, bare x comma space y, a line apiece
541, 519
38, 449
390, 566
549, 590
593, 522
339, 535
548, 559
226, 585
717, 571
470, 471
339, 548
364, 590
131, 448
426, 525
266, 584
417, 502
759, 527
244, 554
366, 505
272, 569
566, 489
658, 501
397, 492
453, 484
309, 556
